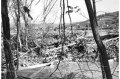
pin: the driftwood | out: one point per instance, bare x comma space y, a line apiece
35, 66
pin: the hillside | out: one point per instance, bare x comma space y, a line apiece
105, 21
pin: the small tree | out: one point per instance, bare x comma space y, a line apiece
101, 47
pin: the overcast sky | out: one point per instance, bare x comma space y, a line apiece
101, 7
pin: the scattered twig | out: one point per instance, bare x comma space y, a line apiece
81, 69
55, 69
37, 2
115, 68
89, 68
60, 72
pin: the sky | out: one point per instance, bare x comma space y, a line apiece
54, 16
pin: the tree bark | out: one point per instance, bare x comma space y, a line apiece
102, 68
18, 33
6, 41
98, 41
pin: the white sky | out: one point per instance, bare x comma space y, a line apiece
104, 5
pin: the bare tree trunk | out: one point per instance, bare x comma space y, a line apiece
100, 44
18, 33
26, 29
102, 68
11, 74
94, 11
